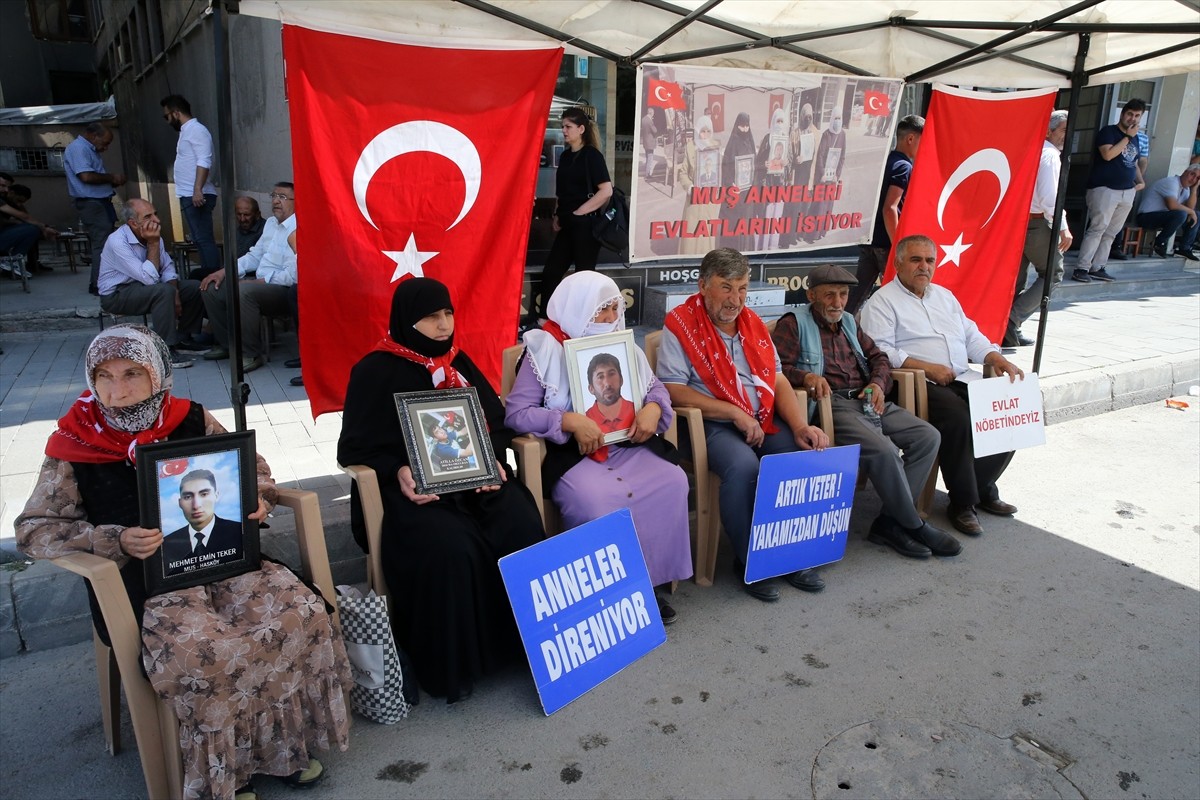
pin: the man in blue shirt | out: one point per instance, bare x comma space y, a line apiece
91, 189
872, 258
1112, 183
1169, 207
137, 276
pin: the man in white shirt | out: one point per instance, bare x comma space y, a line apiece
1037, 235
272, 291
137, 276
920, 325
193, 183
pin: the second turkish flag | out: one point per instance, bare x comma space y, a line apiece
970, 189
409, 160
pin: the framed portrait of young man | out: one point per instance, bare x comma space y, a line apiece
200, 493
606, 386
447, 440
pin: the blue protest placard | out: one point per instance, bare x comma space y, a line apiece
584, 605
801, 511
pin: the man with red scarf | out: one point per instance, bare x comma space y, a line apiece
717, 355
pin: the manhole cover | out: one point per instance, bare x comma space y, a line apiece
916, 758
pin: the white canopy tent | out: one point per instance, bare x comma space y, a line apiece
1002, 44
992, 43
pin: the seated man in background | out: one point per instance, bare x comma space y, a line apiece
20, 232
742, 395
920, 325
137, 276
825, 353
273, 260
1169, 206
250, 224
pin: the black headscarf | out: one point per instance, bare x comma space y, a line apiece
413, 300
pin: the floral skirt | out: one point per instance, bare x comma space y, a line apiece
254, 672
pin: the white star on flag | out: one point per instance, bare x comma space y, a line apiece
409, 260
953, 252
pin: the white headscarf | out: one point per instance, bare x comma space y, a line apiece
573, 307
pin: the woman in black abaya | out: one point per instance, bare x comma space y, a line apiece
739, 150
439, 553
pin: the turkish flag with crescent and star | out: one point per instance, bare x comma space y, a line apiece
875, 104
970, 188
410, 160
665, 94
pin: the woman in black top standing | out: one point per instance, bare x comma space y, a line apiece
582, 186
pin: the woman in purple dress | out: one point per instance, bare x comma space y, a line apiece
589, 479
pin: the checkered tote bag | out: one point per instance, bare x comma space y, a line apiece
378, 691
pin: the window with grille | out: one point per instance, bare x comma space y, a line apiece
32, 159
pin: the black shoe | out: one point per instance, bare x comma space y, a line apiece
1118, 255
180, 360
665, 611
1160, 252
885, 530
93, 290
937, 540
292, 363
1188, 254
188, 344
806, 580
767, 591
1102, 275
1081, 275
297, 381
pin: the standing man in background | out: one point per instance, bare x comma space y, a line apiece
1037, 235
1112, 183
193, 185
92, 189
873, 257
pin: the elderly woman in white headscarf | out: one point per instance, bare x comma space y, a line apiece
770, 166
702, 157
250, 665
831, 158
588, 478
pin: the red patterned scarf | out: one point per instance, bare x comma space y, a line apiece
706, 350
443, 374
84, 435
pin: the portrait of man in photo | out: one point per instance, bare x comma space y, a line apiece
206, 539
611, 411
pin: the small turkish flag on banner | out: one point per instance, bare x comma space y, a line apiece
716, 111
775, 102
969, 192
176, 466
875, 104
664, 94
410, 160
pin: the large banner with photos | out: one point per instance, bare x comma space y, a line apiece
755, 160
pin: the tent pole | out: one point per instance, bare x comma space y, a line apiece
1078, 80
240, 391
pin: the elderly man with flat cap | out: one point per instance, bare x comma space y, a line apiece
825, 353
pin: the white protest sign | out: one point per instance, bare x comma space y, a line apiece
1006, 415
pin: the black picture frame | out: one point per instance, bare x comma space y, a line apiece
232, 547
462, 461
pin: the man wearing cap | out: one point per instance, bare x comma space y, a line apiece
1169, 207
825, 353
